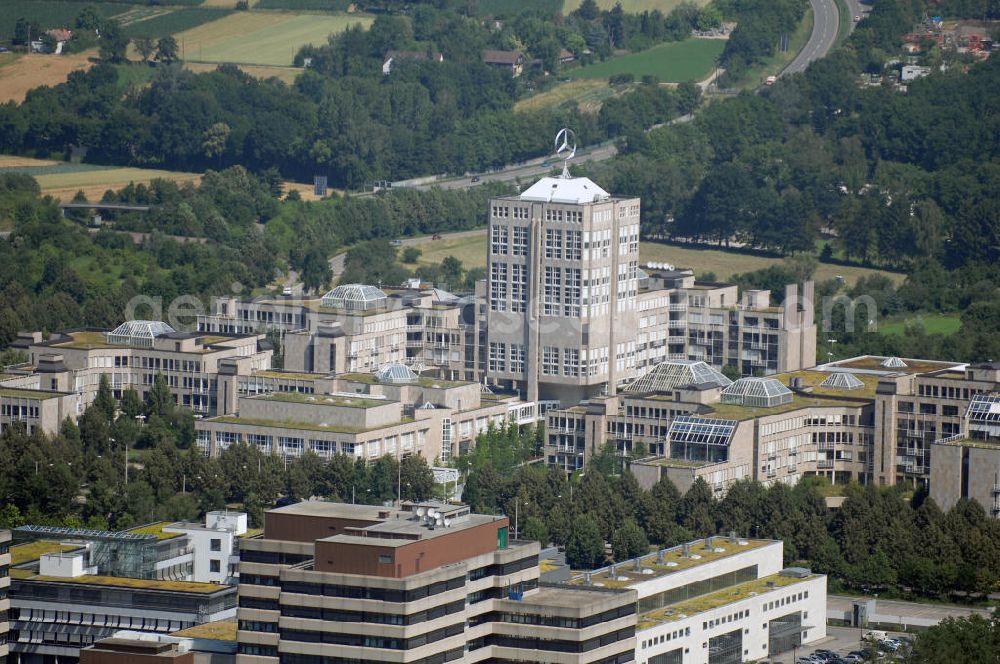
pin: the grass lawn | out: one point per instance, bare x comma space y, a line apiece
672, 62
933, 324
472, 252
632, 6
261, 38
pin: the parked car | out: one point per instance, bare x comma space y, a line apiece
476, 178
396, 243
286, 291
546, 163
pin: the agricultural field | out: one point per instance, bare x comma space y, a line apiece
633, 6
672, 62
286, 74
587, 93
512, 7
261, 38
48, 13
62, 180
20, 73
932, 323
472, 252
156, 22
304, 5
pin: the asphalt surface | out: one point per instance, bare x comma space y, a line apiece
826, 23
904, 613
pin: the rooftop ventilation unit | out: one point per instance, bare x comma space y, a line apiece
638, 564
796, 572
661, 556
709, 543
686, 550
732, 537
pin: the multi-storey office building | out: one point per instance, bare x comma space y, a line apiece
562, 281
967, 465
571, 316
394, 412
696, 423
718, 601
62, 602
426, 583
359, 328
4, 597
131, 355
36, 410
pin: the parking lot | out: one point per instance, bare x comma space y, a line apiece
841, 640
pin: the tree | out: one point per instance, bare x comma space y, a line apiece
585, 548
417, 478
166, 50
316, 272
146, 47
104, 400
629, 541
411, 255
114, 43
159, 399
214, 139
535, 529
588, 10
971, 640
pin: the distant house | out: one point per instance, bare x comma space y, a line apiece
60, 36
397, 56
913, 72
566, 56
513, 61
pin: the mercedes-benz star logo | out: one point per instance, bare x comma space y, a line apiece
566, 143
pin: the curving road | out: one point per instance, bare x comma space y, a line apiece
826, 23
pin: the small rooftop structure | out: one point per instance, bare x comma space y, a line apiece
843, 381
893, 363
355, 297
574, 191
757, 393
140, 333
396, 373
667, 375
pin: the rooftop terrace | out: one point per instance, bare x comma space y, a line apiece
155, 529
18, 393
874, 363
286, 424
124, 582
719, 598
740, 413
289, 375
674, 560
220, 630
32, 551
422, 381
977, 443
322, 400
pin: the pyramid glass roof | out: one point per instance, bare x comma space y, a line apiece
842, 381
893, 363
757, 393
138, 333
665, 376
394, 372
354, 297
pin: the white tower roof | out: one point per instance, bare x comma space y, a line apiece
576, 191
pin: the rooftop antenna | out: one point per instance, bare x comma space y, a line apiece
566, 143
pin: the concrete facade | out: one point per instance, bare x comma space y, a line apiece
73, 362
721, 599
4, 594
424, 583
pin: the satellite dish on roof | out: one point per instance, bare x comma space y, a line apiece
439, 518
421, 511
431, 514
447, 523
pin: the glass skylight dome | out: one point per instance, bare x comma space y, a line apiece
138, 333
354, 297
757, 393
665, 376
394, 372
893, 363
843, 381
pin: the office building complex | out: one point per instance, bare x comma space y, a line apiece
4, 594
721, 599
63, 371
365, 416
428, 583
967, 464
72, 587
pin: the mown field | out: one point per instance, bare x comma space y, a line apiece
20, 73
932, 323
261, 38
48, 13
472, 252
138, 19
672, 62
156, 22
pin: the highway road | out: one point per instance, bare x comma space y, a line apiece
826, 23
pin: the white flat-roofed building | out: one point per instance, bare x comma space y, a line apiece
718, 600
